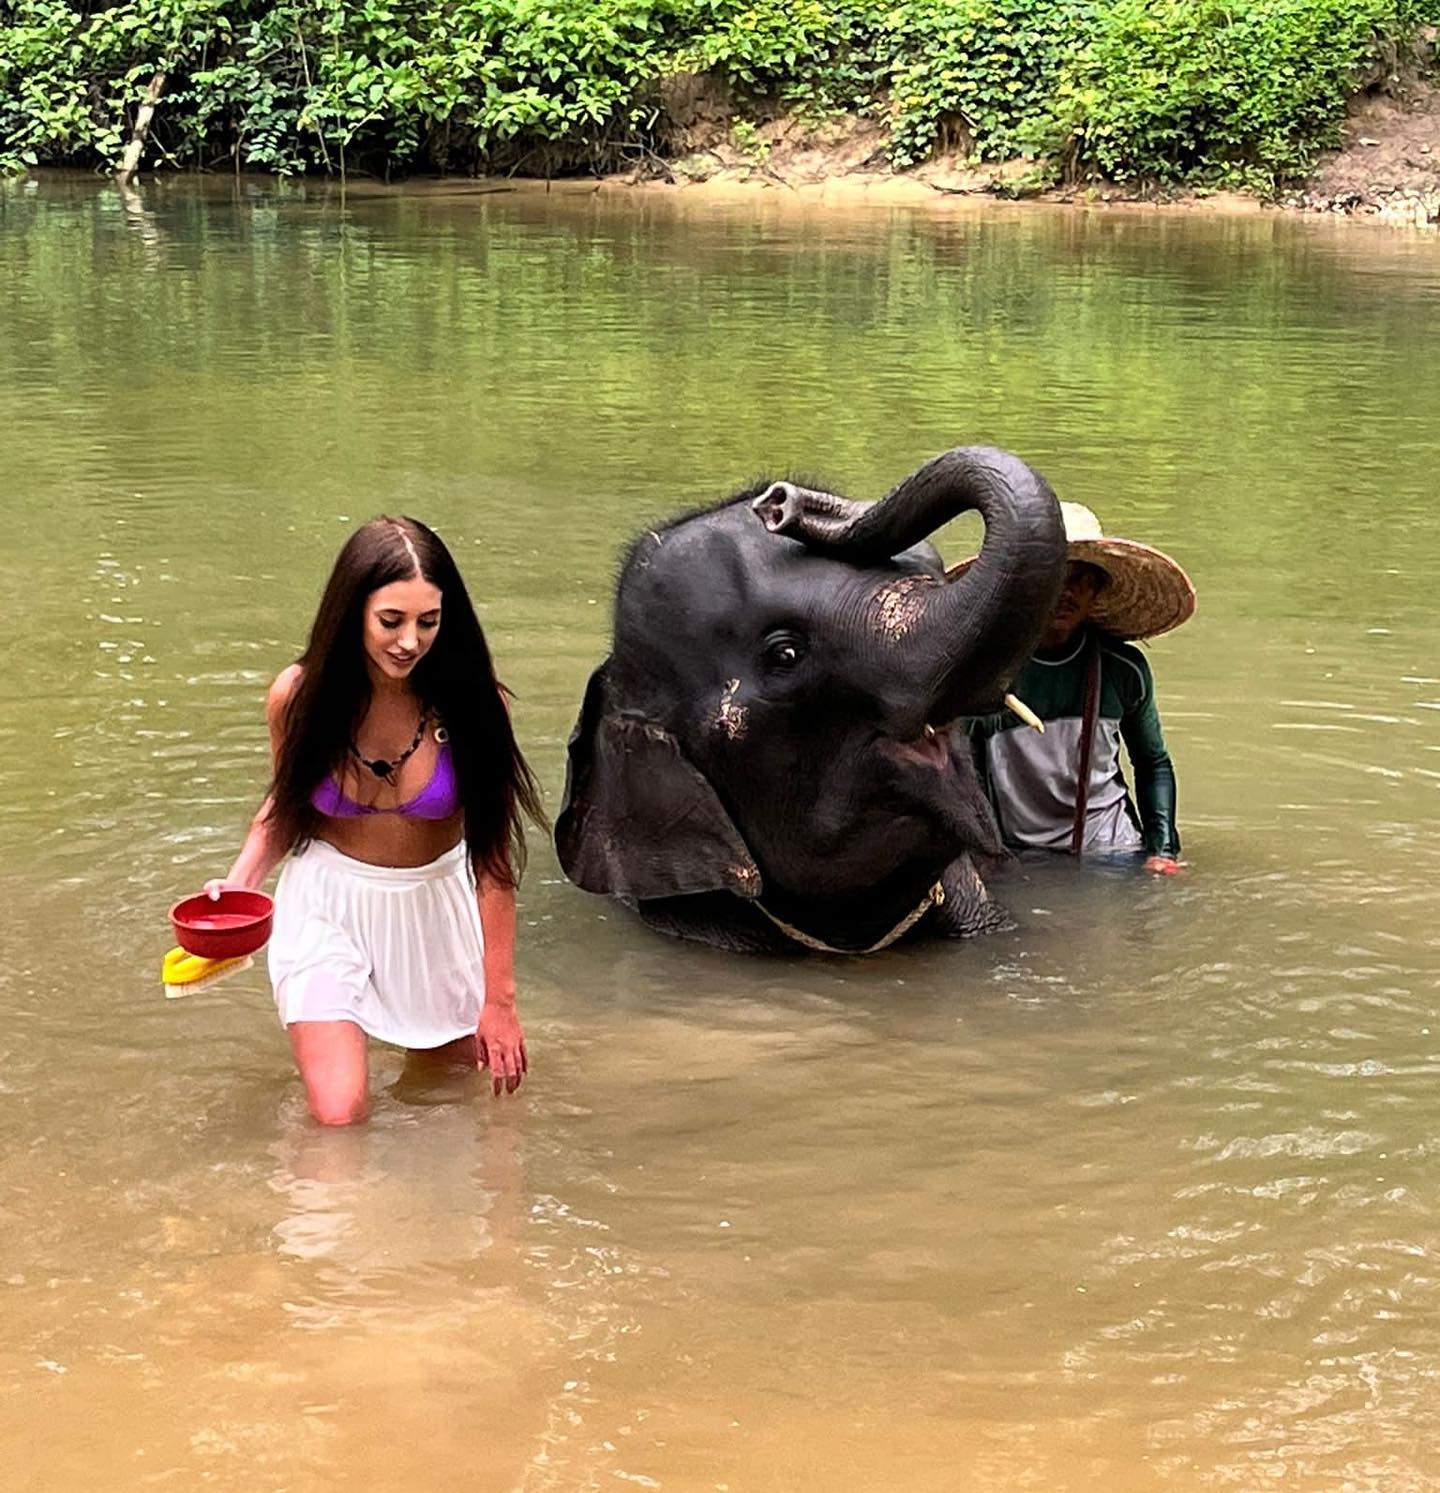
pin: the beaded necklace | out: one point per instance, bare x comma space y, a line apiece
385, 768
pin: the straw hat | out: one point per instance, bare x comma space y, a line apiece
1146, 594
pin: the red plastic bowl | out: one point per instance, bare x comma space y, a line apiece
227, 927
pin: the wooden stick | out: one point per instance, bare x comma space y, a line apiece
1087, 742
130, 162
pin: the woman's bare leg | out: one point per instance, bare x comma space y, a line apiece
457, 1054
437, 1075
334, 1065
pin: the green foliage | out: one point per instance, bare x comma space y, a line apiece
746, 139
1155, 89
966, 71
290, 85
1243, 91
808, 54
975, 70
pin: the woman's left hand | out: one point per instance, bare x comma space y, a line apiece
502, 1046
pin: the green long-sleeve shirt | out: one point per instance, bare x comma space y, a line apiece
1033, 780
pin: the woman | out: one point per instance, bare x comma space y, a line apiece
400, 789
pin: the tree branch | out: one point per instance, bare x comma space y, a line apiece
130, 162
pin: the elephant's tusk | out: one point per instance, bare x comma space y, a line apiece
1025, 713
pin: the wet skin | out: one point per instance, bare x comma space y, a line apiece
401, 622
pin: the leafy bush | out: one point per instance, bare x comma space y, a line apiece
289, 85
985, 65
967, 70
1236, 90
1162, 89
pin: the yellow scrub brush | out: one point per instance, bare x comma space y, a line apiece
218, 933
184, 974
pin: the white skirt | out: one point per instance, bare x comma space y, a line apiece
398, 950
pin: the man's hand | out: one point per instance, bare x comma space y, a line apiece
501, 1046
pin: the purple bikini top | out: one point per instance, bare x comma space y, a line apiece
438, 799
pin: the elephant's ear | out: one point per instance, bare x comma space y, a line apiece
639, 820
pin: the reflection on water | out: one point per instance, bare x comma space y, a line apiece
1136, 1195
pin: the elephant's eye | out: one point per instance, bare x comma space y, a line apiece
783, 650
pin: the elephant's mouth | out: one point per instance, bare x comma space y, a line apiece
930, 749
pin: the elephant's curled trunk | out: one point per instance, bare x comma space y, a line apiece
978, 631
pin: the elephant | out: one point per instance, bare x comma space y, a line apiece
769, 758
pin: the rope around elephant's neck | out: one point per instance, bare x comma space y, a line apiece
935, 897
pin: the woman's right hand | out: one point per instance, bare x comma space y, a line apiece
218, 884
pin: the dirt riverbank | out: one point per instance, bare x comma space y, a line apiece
1388, 167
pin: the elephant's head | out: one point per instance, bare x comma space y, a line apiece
771, 719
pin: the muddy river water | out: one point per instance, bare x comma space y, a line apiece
1139, 1195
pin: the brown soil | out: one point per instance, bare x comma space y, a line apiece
1389, 165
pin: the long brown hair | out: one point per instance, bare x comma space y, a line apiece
455, 679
